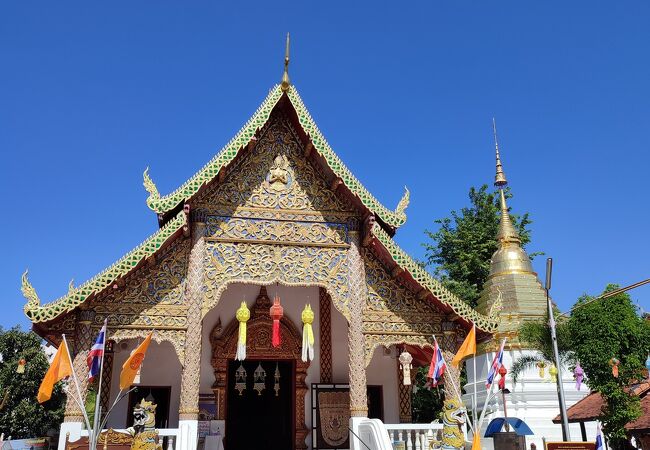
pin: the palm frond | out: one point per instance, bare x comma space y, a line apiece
524, 363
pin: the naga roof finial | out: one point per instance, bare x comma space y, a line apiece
149, 185
404, 202
29, 293
285, 76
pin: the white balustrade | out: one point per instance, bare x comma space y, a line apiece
416, 436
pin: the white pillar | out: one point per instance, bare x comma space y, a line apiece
188, 435
73, 429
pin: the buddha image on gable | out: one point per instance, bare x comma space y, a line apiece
279, 177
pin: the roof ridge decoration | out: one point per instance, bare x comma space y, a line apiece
402, 259
77, 295
162, 204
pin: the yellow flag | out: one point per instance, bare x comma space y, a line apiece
476, 442
59, 369
132, 364
468, 347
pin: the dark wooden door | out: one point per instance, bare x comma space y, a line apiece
260, 420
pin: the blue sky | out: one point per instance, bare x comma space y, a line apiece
90, 94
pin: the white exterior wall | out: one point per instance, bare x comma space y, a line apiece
532, 399
160, 368
382, 370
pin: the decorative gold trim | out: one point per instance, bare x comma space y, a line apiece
267, 242
512, 272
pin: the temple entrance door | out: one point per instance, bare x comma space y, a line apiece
260, 420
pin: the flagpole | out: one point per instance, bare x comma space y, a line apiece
488, 391
98, 396
453, 385
76, 383
475, 405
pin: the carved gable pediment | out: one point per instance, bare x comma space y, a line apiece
275, 180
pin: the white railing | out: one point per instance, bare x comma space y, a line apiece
170, 433
416, 436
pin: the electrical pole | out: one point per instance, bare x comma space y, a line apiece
558, 363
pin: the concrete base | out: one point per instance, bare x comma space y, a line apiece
188, 435
70, 429
371, 431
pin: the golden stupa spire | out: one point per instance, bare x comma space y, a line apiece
500, 178
285, 76
507, 232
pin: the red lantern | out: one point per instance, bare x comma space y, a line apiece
502, 381
277, 311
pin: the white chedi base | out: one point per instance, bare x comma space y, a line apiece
532, 399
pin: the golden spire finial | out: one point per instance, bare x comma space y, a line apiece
507, 230
500, 178
285, 76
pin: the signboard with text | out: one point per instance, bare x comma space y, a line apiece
570, 446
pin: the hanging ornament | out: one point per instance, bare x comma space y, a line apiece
21, 366
502, 381
276, 311
307, 334
243, 314
552, 371
276, 377
541, 365
614, 363
405, 360
260, 379
240, 379
579, 375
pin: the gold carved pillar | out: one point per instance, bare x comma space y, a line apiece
107, 377
325, 321
81, 348
189, 402
404, 394
449, 347
356, 348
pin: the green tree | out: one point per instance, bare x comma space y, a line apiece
461, 248
426, 402
21, 415
606, 329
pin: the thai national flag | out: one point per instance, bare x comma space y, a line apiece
599, 439
96, 355
496, 365
438, 365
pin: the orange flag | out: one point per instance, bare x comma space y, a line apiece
133, 363
476, 442
59, 369
468, 347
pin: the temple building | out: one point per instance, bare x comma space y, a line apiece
514, 285
274, 217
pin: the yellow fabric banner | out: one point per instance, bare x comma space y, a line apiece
468, 347
133, 363
59, 369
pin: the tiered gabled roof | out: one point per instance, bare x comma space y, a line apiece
170, 208
164, 204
